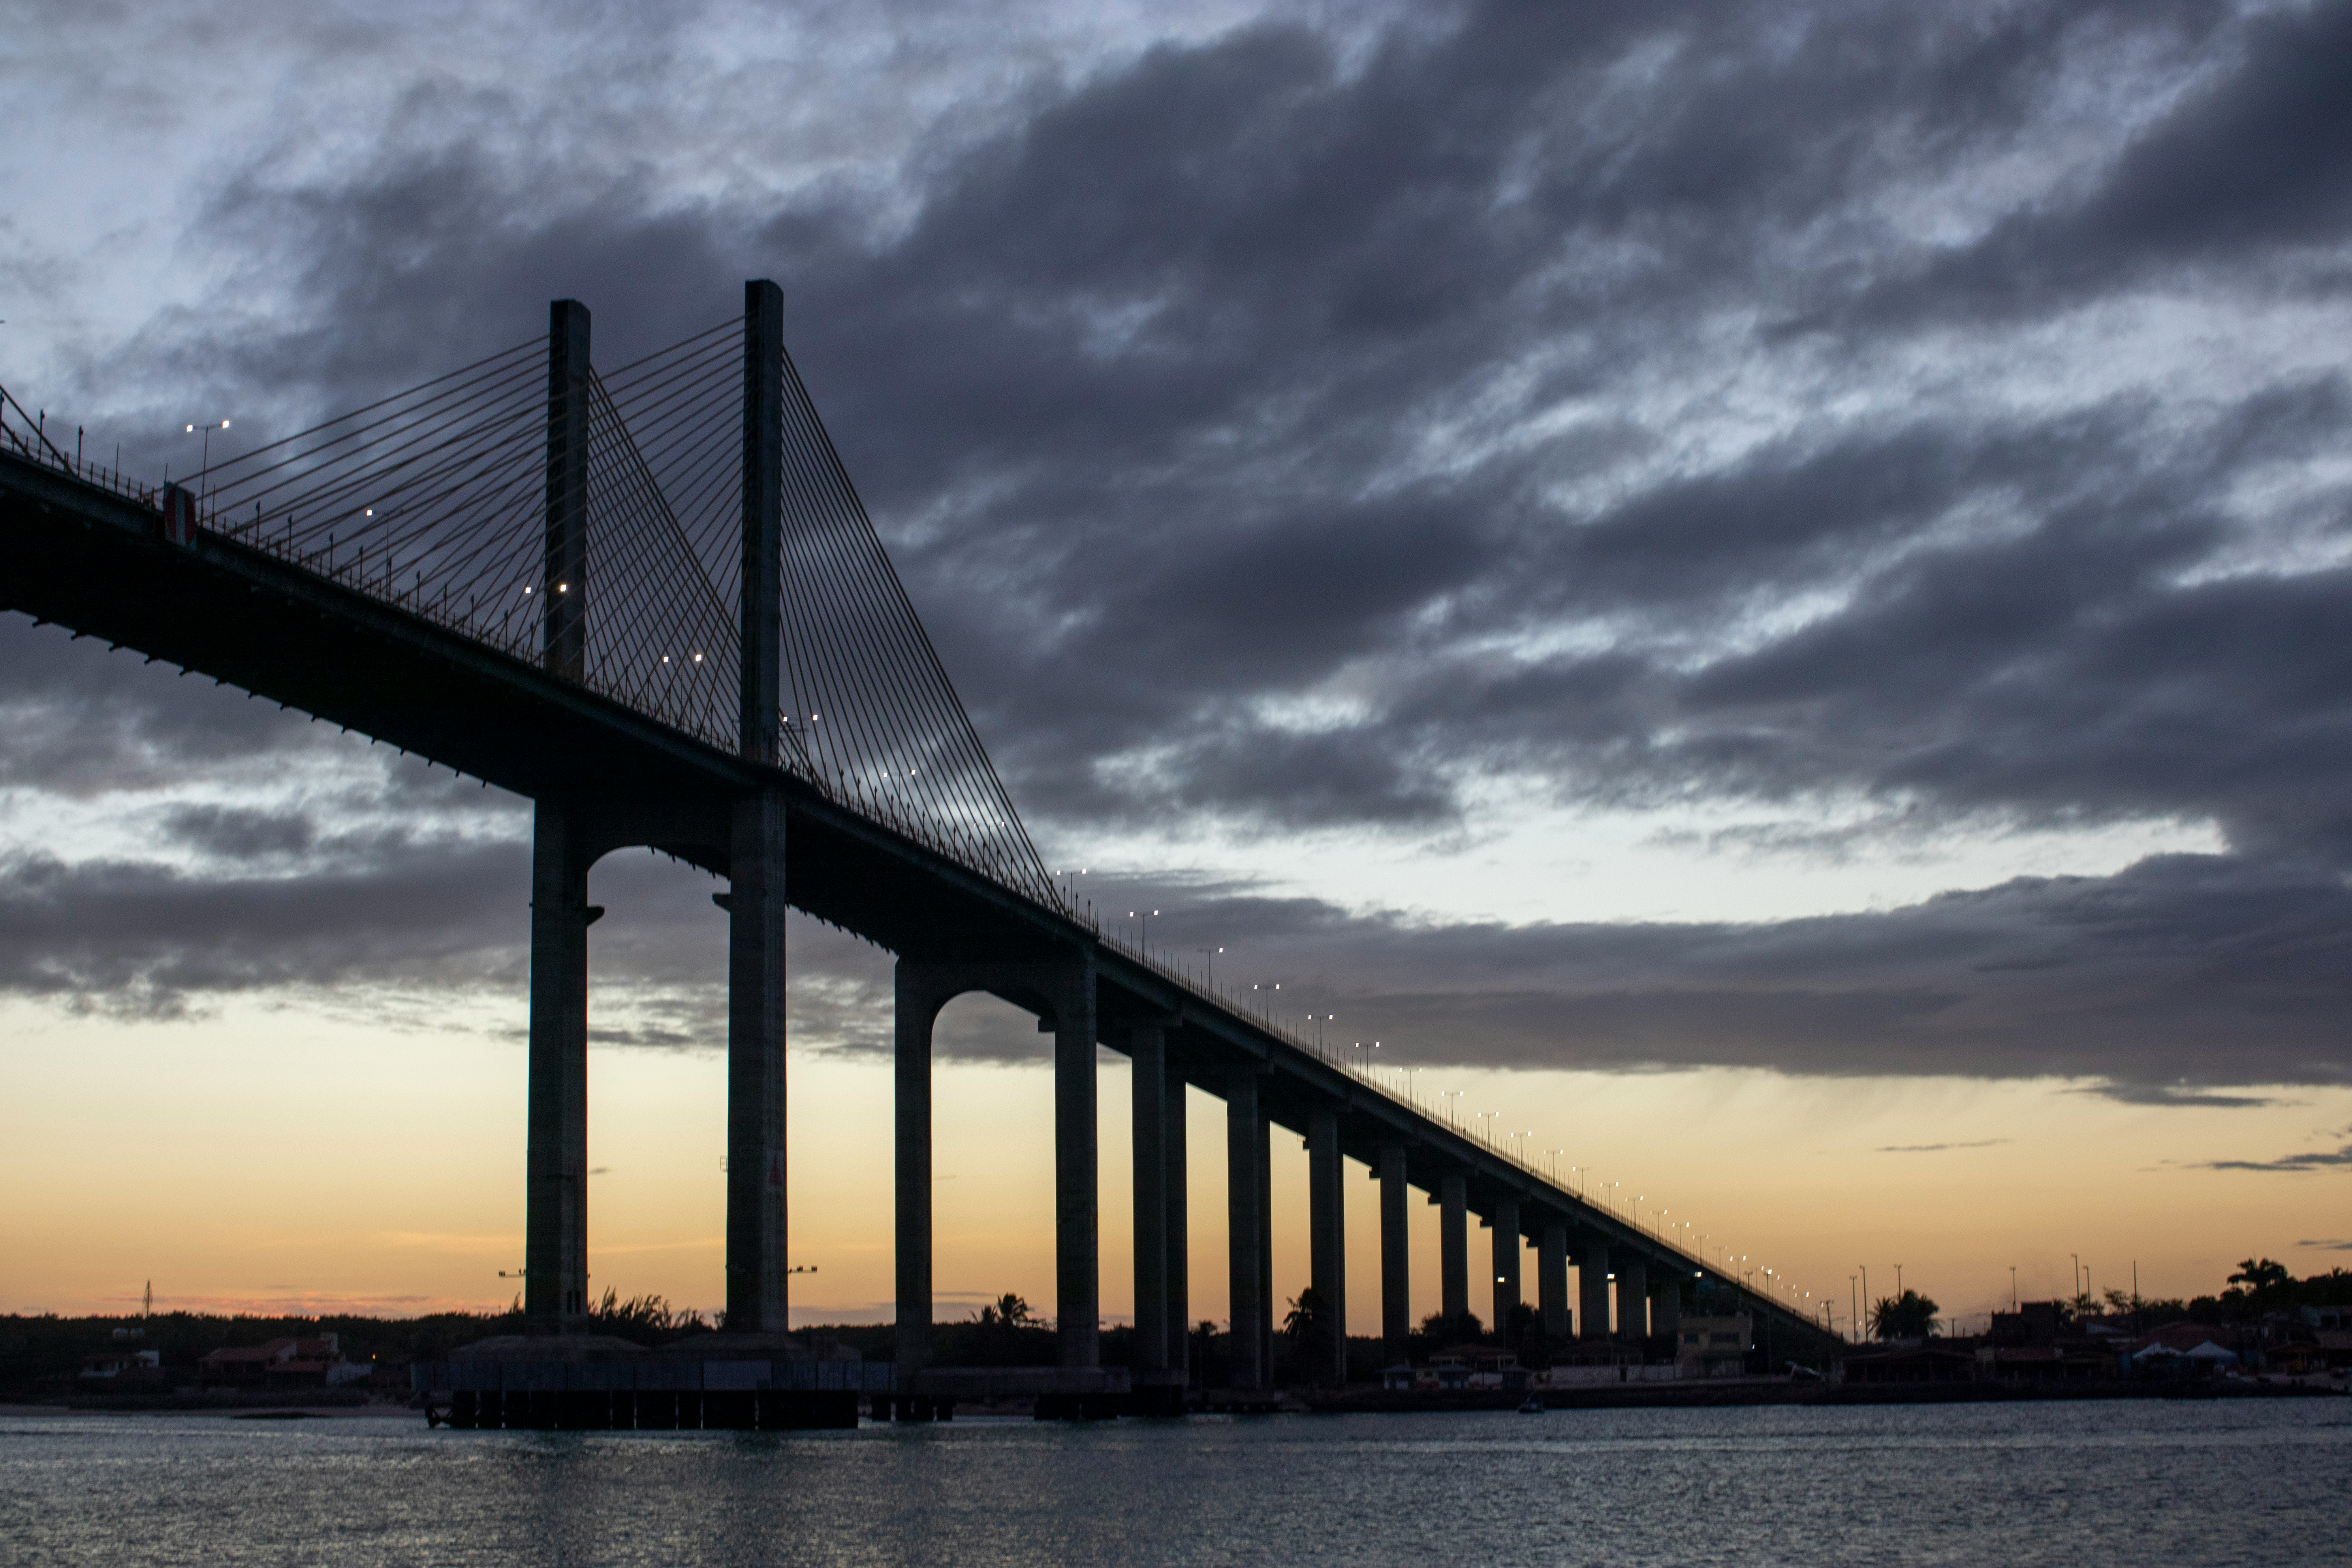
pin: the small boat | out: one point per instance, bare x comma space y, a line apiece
1532, 1404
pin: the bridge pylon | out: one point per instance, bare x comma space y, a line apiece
756, 1270
555, 1204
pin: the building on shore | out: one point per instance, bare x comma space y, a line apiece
315, 1361
123, 1361
1714, 1347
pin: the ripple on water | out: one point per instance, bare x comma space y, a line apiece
2086, 1485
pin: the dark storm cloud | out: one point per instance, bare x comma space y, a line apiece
1297, 438
432, 927
2174, 1094
1164, 336
144, 941
2185, 974
2313, 1160
82, 721
2251, 173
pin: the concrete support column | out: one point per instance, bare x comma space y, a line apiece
1146, 1054
1551, 1281
757, 1271
755, 1069
563, 586
1454, 1250
917, 1009
555, 1159
1592, 1290
1244, 1160
1396, 1259
1077, 1277
1179, 1234
1327, 1245
1666, 1306
1633, 1298
1507, 1262
1263, 1142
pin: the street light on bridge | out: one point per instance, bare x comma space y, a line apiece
1146, 917
205, 466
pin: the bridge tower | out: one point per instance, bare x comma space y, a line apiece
756, 1270
555, 1223
574, 823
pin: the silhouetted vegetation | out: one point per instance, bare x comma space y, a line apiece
1307, 1328
1466, 1328
643, 1319
1910, 1316
1003, 1333
42, 1353
2259, 1285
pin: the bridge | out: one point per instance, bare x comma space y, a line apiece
650, 601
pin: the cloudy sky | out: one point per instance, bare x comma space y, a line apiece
1764, 583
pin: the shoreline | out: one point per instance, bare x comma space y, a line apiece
263, 1410
1729, 1394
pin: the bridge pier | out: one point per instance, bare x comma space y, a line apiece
1396, 1258
1327, 1243
1177, 1239
1592, 1289
1633, 1298
1666, 1307
756, 1278
1551, 1279
555, 1161
1147, 1055
1077, 1275
1063, 996
1247, 1290
915, 1008
1505, 1224
1262, 1143
1454, 1250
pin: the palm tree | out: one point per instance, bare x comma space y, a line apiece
1305, 1316
1910, 1316
1007, 1312
1307, 1327
2260, 1277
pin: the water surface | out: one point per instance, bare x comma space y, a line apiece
2081, 1484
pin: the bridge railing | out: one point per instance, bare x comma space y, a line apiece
23, 434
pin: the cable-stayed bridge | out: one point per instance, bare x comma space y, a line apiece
650, 600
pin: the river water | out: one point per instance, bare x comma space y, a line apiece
2085, 1485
